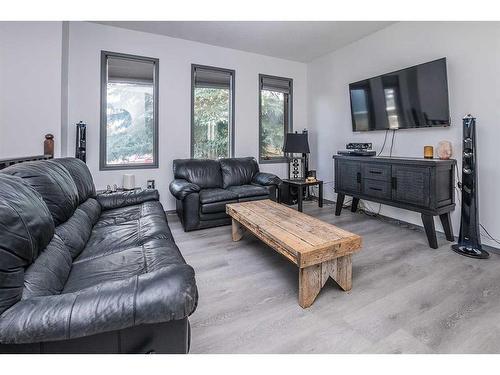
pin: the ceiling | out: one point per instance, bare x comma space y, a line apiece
301, 41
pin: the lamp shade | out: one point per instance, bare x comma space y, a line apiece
296, 143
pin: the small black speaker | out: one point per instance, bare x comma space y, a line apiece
81, 141
469, 240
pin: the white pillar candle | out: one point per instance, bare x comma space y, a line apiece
128, 181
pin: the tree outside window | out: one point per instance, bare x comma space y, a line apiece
275, 116
130, 125
129, 105
212, 122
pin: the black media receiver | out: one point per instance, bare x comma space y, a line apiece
357, 152
358, 149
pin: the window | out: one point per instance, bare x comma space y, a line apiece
129, 111
212, 120
275, 117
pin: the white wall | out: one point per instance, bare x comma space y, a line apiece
86, 40
30, 87
473, 56
32, 91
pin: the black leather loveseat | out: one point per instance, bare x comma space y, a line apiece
203, 187
85, 273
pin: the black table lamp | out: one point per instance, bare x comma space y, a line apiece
297, 143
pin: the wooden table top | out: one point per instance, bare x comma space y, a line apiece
302, 239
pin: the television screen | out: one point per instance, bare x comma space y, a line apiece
415, 97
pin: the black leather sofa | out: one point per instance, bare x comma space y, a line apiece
203, 187
87, 273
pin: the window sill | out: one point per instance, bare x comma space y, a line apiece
127, 167
272, 161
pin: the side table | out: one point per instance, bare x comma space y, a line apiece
301, 184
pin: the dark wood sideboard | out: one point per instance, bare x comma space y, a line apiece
416, 184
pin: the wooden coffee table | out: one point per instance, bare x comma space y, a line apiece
319, 249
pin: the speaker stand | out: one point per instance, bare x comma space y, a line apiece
470, 251
469, 239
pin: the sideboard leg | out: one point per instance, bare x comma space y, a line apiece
354, 206
430, 230
447, 227
340, 204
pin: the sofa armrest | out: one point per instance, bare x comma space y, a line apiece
167, 294
127, 198
181, 188
266, 179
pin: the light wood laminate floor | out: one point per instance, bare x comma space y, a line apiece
406, 297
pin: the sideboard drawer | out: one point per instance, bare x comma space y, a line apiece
377, 189
376, 171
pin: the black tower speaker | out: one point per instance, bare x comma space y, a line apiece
81, 141
469, 240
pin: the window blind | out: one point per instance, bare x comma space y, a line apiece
212, 78
283, 85
130, 71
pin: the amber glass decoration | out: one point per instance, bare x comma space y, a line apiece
428, 152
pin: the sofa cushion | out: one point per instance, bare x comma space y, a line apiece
122, 264
203, 172
216, 216
48, 274
164, 295
245, 191
181, 188
81, 176
53, 182
127, 227
238, 171
120, 199
210, 208
119, 215
266, 179
271, 189
75, 232
26, 227
216, 195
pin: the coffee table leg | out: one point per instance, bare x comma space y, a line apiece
310, 283
236, 230
312, 278
340, 270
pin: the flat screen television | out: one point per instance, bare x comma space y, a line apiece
415, 97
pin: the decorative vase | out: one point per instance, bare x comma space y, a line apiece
48, 145
444, 150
